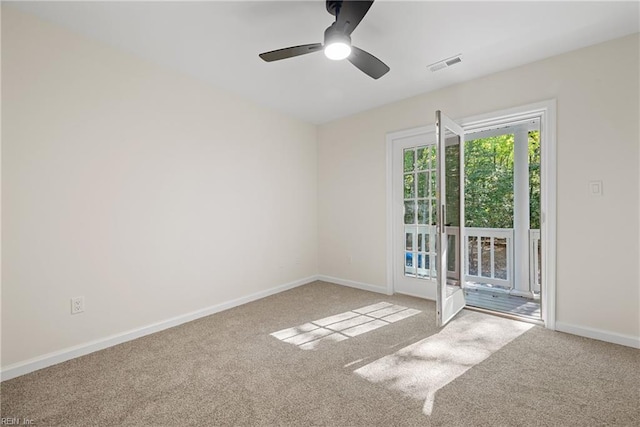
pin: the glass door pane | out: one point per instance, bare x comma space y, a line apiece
450, 218
419, 213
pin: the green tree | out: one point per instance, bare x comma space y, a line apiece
534, 179
489, 181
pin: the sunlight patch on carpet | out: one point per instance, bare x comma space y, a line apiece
345, 325
423, 368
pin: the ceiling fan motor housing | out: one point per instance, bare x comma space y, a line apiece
334, 35
337, 44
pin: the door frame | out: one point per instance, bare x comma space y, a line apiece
546, 111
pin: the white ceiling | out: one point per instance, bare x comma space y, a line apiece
218, 42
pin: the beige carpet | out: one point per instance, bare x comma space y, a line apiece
373, 360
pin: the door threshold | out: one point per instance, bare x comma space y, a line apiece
505, 315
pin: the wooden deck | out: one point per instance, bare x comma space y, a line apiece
503, 302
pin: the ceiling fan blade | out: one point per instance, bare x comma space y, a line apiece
290, 52
351, 13
367, 63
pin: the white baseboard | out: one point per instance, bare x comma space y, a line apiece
40, 362
415, 295
598, 334
50, 359
354, 284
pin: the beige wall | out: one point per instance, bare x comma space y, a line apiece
148, 193
597, 137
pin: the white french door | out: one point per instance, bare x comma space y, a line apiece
450, 215
428, 212
415, 214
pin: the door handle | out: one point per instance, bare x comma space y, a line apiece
442, 220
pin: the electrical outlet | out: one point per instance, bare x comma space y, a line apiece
77, 305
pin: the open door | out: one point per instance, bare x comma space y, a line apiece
450, 218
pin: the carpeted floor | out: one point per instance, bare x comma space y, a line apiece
384, 367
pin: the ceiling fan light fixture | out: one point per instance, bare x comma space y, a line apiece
337, 51
337, 45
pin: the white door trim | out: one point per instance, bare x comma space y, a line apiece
546, 110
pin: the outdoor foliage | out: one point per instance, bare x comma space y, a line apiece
489, 181
534, 180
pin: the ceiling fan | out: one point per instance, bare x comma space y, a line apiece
337, 40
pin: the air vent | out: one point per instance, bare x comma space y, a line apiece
436, 66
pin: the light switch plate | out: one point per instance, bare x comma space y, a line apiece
595, 188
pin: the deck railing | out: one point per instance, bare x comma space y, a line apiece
490, 255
